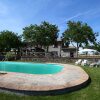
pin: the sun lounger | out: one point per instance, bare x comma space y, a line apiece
95, 64
78, 62
85, 62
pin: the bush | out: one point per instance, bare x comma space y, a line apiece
9, 56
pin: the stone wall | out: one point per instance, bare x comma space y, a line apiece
56, 60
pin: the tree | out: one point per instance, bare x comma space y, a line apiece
44, 34
9, 40
49, 34
96, 46
30, 34
79, 34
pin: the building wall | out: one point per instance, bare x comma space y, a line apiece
67, 54
61, 52
57, 49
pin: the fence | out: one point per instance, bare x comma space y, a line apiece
47, 56
89, 56
38, 54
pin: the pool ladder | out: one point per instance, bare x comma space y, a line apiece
4, 59
3, 72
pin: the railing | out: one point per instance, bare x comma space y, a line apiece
37, 54
3, 67
89, 56
30, 54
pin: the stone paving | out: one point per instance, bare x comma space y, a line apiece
70, 76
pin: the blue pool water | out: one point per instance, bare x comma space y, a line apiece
30, 68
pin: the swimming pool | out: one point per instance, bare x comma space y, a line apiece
30, 68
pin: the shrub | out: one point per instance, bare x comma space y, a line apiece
9, 56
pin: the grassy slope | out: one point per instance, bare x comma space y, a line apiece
91, 92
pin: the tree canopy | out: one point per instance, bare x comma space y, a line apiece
96, 46
8, 40
79, 33
44, 34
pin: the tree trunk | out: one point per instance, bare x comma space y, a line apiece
47, 48
77, 49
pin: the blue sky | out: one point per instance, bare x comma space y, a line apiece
16, 14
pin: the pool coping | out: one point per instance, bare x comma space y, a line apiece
16, 84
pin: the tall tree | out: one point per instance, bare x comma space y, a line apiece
96, 46
8, 40
49, 33
79, 34
31, 34
44, 34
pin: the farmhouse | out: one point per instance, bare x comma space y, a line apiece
57, 50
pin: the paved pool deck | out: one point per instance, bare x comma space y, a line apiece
70, 76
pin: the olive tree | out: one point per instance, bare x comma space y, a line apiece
44, 34
8, 40
79, 34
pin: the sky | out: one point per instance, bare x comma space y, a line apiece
16, 14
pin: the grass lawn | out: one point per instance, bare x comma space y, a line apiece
91, 92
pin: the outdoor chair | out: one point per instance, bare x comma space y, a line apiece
95, 64
78, 62
85, 63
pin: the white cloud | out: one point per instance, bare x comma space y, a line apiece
78, 15
87, 13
